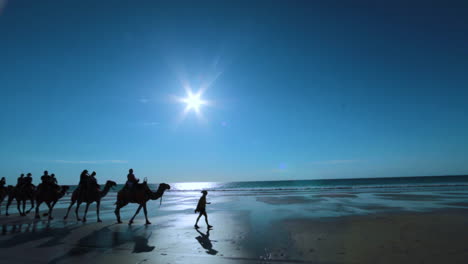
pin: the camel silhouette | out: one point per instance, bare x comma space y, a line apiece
89, 196
49, 196
140, 194
21, 194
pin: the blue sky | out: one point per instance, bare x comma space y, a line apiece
299, 89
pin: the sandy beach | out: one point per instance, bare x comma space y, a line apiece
255, 227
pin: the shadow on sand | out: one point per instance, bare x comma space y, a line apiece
205, 242
105, 240
26, 233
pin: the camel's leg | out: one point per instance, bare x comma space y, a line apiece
117, 210
76, 210
10, 199
98, 205
32, 206
86, 212
18, 205
51, 207
68, 210
24, 207
146, 214
37, 209
137, 211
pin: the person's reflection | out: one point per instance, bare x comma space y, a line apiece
205, 242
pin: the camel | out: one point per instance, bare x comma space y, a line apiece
49, 196
140, 195
21, 194
89, 196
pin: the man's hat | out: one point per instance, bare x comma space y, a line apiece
29, 174
204, 192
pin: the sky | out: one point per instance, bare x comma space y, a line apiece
297, 89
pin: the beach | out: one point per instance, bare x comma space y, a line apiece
399, 225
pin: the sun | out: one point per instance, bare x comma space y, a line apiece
193, 101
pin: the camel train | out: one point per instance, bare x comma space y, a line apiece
88, 192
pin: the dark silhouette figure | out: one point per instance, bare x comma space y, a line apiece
50, 197
45, 178
20, 180
23, 192
140, 194
53, 179
49, 183
2, 182
205, 242
201, 209
28, 180
92, 181
131, 179
83, 179
89, 196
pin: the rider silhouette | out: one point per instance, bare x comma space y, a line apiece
27, 181
45, 178
131, 179
53, 180
20, 180
92, 181
83, 179
2, 182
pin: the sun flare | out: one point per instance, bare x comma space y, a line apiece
193, 101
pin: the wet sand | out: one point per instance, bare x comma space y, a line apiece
257, 228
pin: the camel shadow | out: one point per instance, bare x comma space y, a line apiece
20, 236
205, 242
105, 239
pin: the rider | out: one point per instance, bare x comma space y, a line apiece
131, 179
2, 182
53, 181
83, 179
45, 178
20, 180
92, 181
27, 181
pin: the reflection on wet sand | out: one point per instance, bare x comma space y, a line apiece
56, 235
105, 239
249, 228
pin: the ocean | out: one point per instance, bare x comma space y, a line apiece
320, 198
336, 185
330, 184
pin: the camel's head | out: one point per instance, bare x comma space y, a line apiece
164, 186
111, 184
